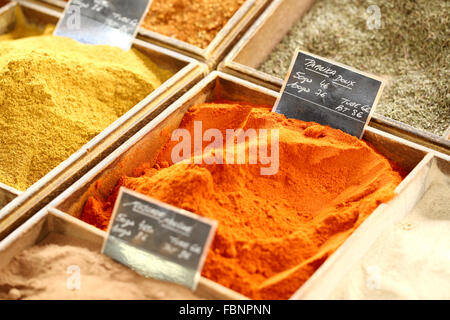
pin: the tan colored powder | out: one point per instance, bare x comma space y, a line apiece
43, 272
56, 94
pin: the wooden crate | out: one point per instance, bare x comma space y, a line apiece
267, 32
49, 221
219, 46
147, 142
187, 72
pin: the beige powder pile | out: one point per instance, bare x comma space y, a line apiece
411, 260
43, 272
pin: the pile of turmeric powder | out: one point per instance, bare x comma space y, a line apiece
274, 230
24, 29
56, 94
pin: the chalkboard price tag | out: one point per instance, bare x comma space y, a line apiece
107, 22
329, 93
158, 240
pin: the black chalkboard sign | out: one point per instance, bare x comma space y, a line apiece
329, 93
108, 22
158, 240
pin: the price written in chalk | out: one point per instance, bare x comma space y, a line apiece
158, 240
107, 22
329, 93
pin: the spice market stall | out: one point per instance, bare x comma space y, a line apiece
157, 177
238, 258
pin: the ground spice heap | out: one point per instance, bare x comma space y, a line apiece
411, 50
42, 272
274, 230
56, 94
196, 22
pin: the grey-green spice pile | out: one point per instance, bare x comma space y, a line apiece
411, 50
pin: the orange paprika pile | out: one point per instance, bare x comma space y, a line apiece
274, 230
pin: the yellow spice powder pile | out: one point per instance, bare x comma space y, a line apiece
196, 22
57, 94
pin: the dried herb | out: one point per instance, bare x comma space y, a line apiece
411, 49
56, 94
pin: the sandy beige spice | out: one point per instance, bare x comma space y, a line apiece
41, 272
